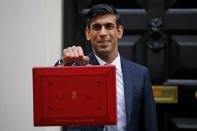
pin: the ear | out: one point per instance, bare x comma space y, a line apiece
120, 30
87, 33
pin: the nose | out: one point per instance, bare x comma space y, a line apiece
103, 31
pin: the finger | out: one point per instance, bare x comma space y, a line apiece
70, 52
82, 59
66, 59
75, 52
76, 59
65, 53
80, 51
66, 56
85, 58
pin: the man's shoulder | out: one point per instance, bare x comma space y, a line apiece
132, 65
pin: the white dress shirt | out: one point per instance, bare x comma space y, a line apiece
121, 111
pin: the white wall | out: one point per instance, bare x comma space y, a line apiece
30, 35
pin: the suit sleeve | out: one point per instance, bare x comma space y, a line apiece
150, 117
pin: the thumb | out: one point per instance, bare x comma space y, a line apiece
85, 58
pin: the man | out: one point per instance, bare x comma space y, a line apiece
135, 104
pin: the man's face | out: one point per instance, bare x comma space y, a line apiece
104, 34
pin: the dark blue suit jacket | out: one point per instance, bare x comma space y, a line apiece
140, 106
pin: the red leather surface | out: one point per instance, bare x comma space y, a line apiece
74, 95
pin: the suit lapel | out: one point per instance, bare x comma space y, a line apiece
128, 86
92, 59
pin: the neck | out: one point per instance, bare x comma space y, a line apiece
108, 58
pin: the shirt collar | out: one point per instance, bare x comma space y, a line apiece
116, 62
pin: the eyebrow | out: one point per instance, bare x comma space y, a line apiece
103, 24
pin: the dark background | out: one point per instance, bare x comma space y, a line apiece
160, 34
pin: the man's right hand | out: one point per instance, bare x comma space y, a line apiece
74, 54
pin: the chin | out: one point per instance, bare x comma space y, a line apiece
104, 52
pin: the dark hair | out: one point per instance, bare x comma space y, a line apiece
102, 9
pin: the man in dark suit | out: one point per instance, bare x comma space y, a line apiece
135, 103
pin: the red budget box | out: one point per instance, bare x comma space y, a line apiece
74, 95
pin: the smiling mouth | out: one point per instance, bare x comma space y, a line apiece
103, 42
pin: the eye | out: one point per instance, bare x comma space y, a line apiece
96, 27
109, 26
